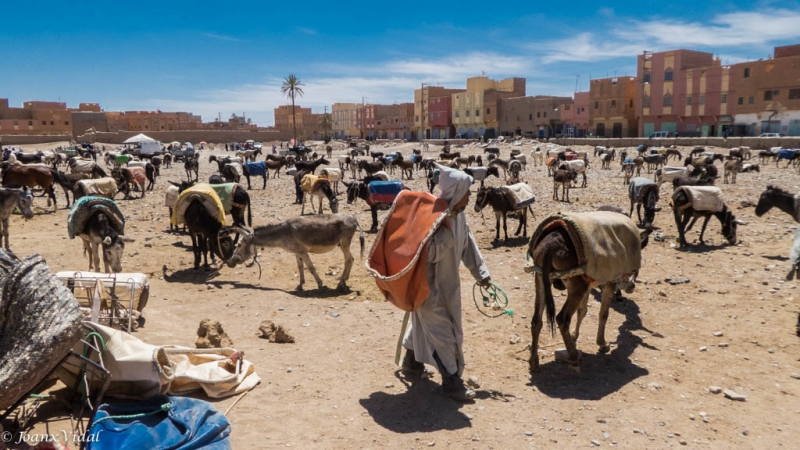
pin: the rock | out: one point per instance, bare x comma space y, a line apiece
335, 314
662, 293
474, 382
714, 389
595, 443
211, 335
703, 348
275, 333
289, 370
722, 344
735, 396
562, 355
601, 420
718, 333
796, 376
677, 280
529, 433
606, 435
514, 340
389, 385
745, 433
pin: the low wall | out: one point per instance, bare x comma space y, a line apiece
16, 139
195, 136
752, 142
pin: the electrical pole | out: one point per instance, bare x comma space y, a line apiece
576, 82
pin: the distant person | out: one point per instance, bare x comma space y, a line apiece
226, 147
274, 149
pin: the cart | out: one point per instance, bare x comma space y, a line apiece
113, 299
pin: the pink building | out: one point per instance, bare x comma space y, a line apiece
440, 117
576, 116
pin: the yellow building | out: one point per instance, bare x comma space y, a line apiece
475, 110
345, 119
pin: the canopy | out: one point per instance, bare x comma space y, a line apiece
139, 138
175, 143
203, 142
249, 141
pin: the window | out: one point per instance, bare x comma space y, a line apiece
751, 100
538, 115
668, 75
44, 122
66, 122
15, 123
466, 113
596, 105
646, 101
51, 123
416, 118
741, 101
646, 78
30, 123
477, 113
530, 116
668, 100
724, 98
767, 95
631, 103
747, 72
457, 115
488, 110
702, 99
544, 114
688, 100
613, 103
794, 94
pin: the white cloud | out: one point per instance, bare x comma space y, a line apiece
585, 47
308, 31
222, 37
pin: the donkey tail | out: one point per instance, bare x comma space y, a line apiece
360, 238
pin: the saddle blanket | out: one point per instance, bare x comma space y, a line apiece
171, 196
384, 191
309, 182
636, 186
101, 187
398, 257
82, 166
83, 209
522, 194
607, 243
256, 168
137, 174
236, 167
225, 192
122, 159
206, 195
628, 161
332, 174
786, 154
704, 198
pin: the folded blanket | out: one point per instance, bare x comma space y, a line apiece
384, 191
398, 257
137, 174
607, 243
636, 186
171, 196
101, 187
521, 193
122, 159
704, 198
256, 168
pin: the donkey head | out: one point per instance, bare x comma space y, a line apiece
25, 203
767, 200
113, 246
245, 249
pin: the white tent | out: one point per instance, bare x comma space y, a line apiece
139, 138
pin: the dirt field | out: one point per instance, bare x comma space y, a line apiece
732, 326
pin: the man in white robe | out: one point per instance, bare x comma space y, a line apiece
435, 336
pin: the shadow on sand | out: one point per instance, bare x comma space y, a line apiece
600, 374
422, 408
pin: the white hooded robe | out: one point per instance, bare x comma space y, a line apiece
436, 324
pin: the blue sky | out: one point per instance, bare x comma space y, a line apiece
226, 57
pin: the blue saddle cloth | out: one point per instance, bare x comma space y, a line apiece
628, 161
256, 168
160, 422
416, 158
384, 191
786, 154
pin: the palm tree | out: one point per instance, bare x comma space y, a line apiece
291, 89
326, 124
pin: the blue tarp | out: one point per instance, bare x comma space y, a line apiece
256, 168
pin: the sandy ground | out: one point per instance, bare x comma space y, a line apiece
732, 326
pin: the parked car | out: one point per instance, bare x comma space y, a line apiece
662, 134
770, 135
257, 145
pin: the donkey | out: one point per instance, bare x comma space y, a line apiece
310, 166
515, 167
502, 203
643, 191
370, 167
301, 236
192, 164
322, 188
10, 199
556, 252
564, 178
786, 202
99, 233
684, 212
256, 169
672, 152
67, 181
481, 173
731, 169
31, 176
207, 234
501, 164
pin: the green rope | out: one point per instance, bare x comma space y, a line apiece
493, 297
166, 407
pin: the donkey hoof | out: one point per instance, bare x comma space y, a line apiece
604, 348
533, 365
575, 366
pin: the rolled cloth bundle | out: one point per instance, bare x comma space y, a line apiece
40, 321
83, 209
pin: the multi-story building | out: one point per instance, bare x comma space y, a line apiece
612, 111
765, 94
345, 119
35, 118
684, 92
475, 110
440, 117
422, 105
366, 121
576, 116
534, 116
394, 121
